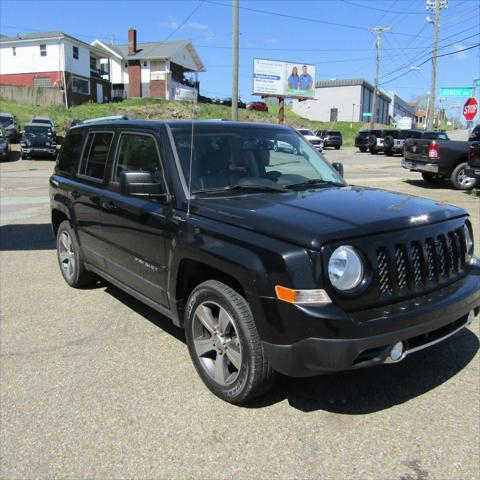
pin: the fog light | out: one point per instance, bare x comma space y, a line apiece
396, 352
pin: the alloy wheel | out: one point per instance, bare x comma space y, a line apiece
66, 254
463, 179
216, 342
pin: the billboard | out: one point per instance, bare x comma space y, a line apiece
283, 79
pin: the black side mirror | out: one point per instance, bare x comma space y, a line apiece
338, 166
141, 184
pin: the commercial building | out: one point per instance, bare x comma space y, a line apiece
399, 107
55, 60
344, 101
154, 69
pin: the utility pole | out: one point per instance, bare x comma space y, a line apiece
379, 31
235, 62
436, 6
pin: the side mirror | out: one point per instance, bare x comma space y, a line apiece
141, 184
338, 166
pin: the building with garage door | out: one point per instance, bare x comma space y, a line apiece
55, 60
343, 101
153, 69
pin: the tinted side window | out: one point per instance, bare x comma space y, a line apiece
416, 135
70, 153
95, 155
138, 152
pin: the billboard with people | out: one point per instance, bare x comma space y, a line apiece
283, 79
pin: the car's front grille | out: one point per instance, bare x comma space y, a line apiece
420, 264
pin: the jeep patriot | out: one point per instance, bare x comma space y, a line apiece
267, 258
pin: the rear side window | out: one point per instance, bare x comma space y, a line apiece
332, 132
95, 155
138, 152
70, 153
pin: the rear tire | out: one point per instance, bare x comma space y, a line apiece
337, 147
224, 344
432, 178
373, 151
460, 181
70, 258
389, 153
363, 149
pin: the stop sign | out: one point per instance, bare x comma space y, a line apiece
470, 109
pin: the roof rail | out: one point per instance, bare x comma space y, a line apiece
106, 119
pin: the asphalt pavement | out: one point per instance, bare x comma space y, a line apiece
93, 384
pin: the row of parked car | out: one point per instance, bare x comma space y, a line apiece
38, 137
430, 153
391, 141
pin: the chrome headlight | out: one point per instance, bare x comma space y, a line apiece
468, 242
345, 268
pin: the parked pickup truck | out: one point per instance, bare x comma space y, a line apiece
473, 168
395, 139
267, 258
439, 160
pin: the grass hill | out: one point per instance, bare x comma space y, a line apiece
148, 108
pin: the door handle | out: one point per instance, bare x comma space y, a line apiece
74, 194
109, 206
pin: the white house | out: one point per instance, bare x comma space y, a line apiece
154, 69
55, 59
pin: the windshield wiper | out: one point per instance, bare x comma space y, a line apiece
238, 187
314, 181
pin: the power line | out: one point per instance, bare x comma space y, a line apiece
189, 16
348, 2
430, 58
304, 19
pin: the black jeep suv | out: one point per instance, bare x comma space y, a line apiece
38, 140
267, 259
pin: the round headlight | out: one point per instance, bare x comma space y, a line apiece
345, 268
468, 242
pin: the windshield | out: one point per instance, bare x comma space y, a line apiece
38, 131
41, 120
334, 133
304, 131
270, 158
4, 120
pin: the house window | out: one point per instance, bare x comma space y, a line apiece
93, 63
42, 82
126, 64
75, 52
80, 85
43, 50
144, 64
14, 51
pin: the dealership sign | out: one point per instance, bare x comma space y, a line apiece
283, 79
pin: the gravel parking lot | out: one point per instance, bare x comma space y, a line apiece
93, 384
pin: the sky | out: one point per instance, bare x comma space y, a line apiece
332, 34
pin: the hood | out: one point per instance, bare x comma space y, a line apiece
312, 218
312, 137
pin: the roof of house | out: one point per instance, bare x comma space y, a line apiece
38, 36
155, 50
350, 82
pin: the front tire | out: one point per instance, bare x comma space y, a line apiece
224, 343
363, 149
337, 147
459, 179
70, 259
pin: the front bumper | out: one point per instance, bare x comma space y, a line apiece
420, 166
473, 172
418, 323
39, 151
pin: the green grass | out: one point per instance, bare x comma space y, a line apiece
162, 109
